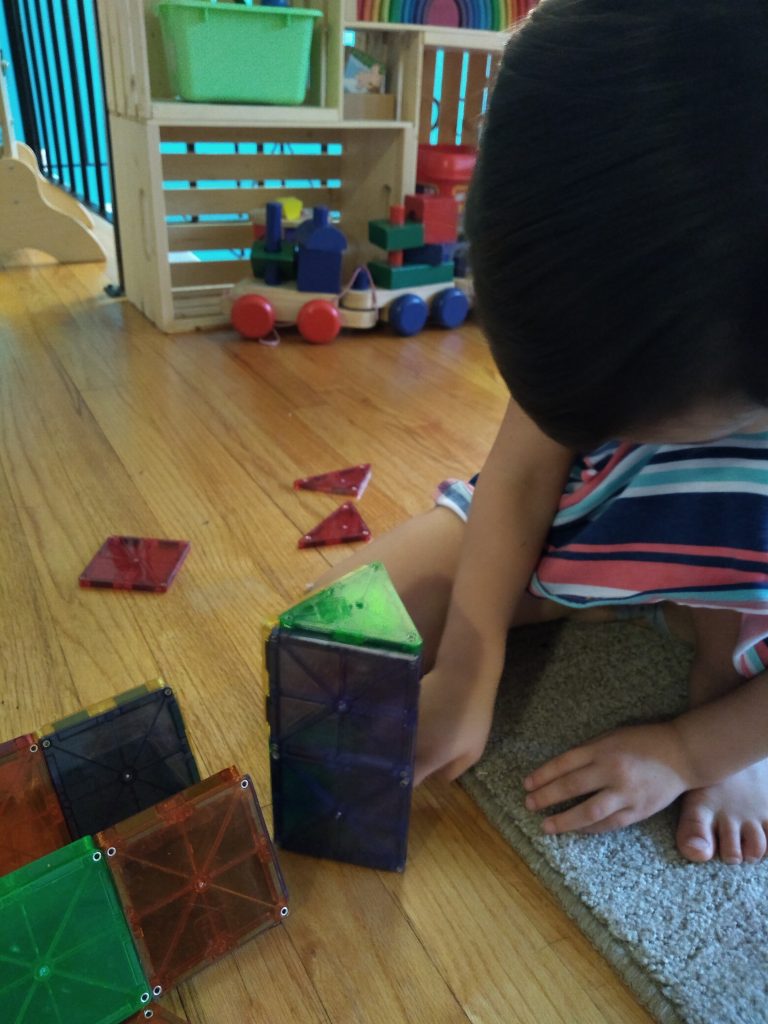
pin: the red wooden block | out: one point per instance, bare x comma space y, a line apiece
340, 527
135, 563
197, 876
438, 214
31, 821
351, 481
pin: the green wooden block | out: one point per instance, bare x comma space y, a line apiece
411, 275
361, 608
66, 952
391, 237
284, 258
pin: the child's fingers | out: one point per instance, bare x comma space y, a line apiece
571, 761
586, 815
620, 819
567, 787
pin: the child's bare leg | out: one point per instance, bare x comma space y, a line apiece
421, 556
731, 817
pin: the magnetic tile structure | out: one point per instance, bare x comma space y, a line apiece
344, 669
31, 820
115, 759
66, 953
135, 563
197, 876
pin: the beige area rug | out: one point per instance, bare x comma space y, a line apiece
690, 940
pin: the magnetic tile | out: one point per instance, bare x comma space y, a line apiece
66, 953
342, 812
352, 481
342, 736
343, 526
197, 876
360, 608
31, 820
111, 761
135, 563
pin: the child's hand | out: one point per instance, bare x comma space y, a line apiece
625, 776
454, 722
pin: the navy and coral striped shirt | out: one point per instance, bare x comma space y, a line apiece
641, 523
688, 523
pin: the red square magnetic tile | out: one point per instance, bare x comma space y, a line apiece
31, 820
197, 876
135, 563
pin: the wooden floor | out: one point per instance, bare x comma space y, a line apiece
110, 427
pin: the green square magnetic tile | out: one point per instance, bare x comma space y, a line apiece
66, 953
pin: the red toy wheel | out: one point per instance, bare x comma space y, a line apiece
319, 321
253, 316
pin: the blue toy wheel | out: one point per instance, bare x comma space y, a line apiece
450, 308
408, 314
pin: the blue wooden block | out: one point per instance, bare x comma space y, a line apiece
319, 271
433, 253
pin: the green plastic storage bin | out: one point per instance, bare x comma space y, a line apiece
230, 53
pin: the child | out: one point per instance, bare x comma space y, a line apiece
619, 229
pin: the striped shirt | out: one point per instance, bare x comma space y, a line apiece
638, 524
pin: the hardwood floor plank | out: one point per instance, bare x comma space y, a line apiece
372, 948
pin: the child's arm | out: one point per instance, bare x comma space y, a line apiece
633, 772
512, 509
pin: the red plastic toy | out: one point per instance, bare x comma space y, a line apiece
135, 563
352, 481
197, 876
340, 527
31, 821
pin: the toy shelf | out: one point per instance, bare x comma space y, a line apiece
437, 35
187, 175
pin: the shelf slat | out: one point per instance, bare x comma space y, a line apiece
439, 35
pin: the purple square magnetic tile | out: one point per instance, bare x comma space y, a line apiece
109, 766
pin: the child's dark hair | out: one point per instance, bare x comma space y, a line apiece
619, 213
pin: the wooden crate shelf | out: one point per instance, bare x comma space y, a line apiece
184, 209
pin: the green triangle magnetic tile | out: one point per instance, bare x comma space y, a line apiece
66, 952
360, 608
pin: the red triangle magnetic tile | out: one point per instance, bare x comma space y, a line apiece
344, 525
352, 481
